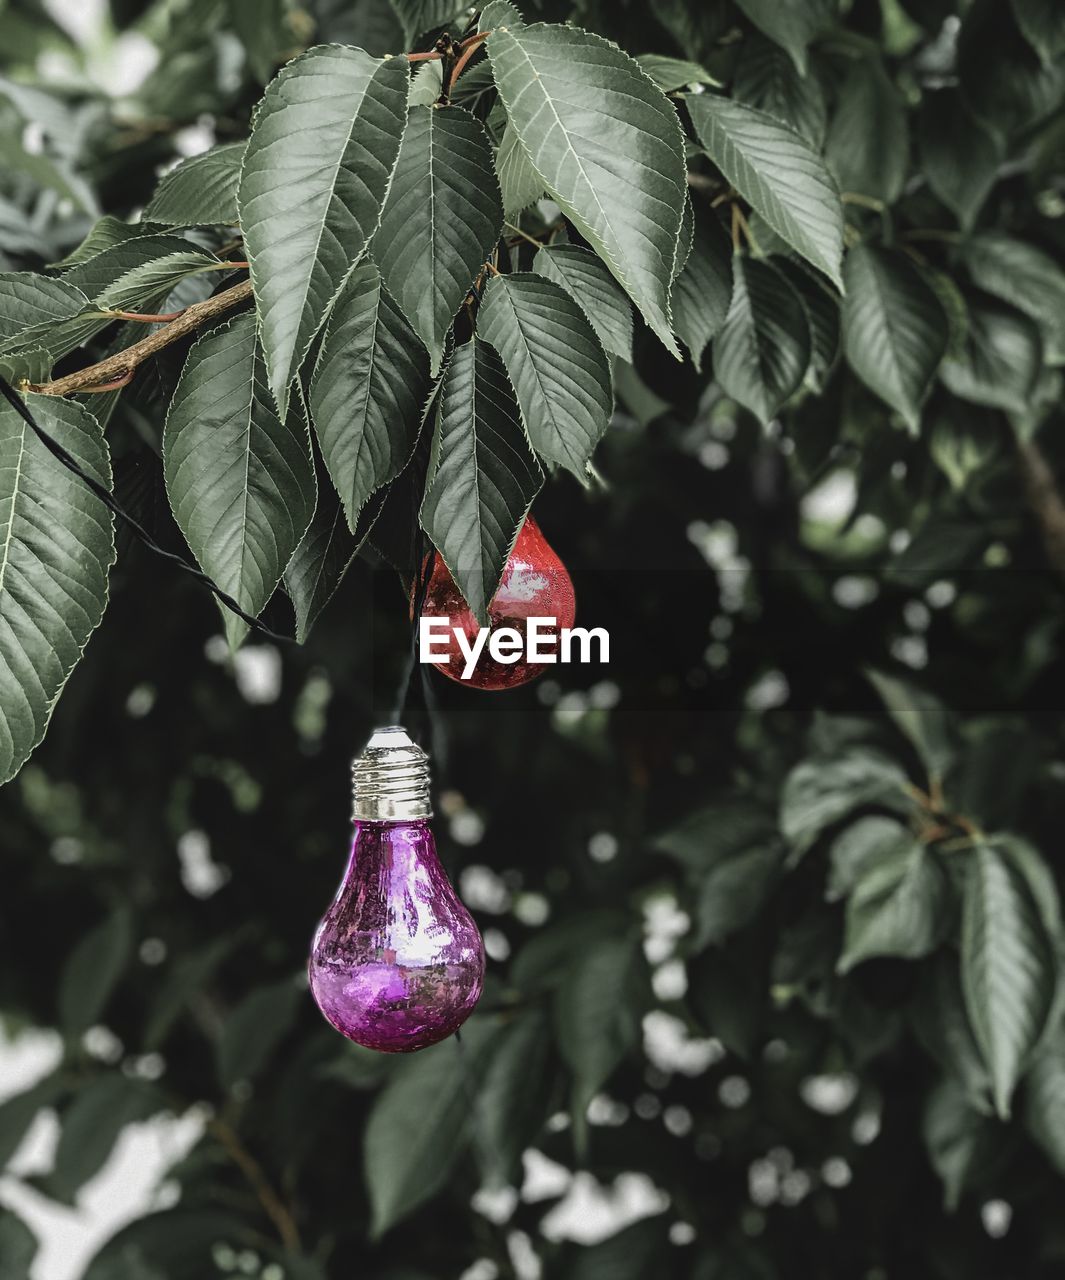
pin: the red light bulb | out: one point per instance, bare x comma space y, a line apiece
535, 584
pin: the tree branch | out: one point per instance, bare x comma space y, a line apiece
274, 1207
121, 365
1045, 500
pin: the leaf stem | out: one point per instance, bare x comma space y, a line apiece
745, 227
125, 362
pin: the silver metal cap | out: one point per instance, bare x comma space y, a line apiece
390, 779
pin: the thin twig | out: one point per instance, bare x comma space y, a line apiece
866, 202
125, 362
104, 387
524, 235
469, 47
274, 1207
423, 57
143, 317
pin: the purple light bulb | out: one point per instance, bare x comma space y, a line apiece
397, 962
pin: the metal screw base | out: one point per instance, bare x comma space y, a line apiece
391, 779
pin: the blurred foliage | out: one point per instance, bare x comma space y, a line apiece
771, 901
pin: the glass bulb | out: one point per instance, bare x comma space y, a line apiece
535, 584
397, 962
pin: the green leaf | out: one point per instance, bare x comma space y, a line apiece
1033, 869
894, 329
201, 191
645, 405
482, 474
940, 546
777, 171
543, 962
942, 1026
597, 1020
792, 25
823, 319
245, 515
631, 1254
1007, 968
441, 220
419, 1125
923, 719
109, 278
733, 892
420, 16
18, 1112
859, 848
513, 1096
498, 13
264, 30
252, 1032
427, 85
584, 110
702, 293
1045, 1099
1001, 361
998, 765
519, 183
319, 563
93, 970
671, 74
105, 234
819, 793
729, 989
1004, 80
716, 833
122, 278
370, 383
687, 236
55, 551
763, 349
1026, 278
585, 278
31, 304
175, 1244
18, 1246
959, 156
869, 106
556, 364
1043, 25
766, 78
315, 176
91, 1127
188, 978
43, 171
957, 1138
896, 908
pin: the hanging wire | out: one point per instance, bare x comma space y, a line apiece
135, 527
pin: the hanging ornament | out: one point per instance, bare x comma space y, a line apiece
397, 962
535, 584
